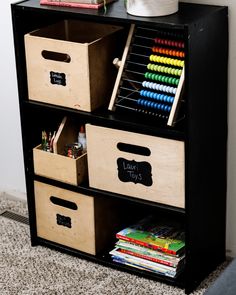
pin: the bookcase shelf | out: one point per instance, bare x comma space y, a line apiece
203, 131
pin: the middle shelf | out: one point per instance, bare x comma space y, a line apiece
128, 163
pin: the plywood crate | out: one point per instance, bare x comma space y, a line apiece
137, 165
58, 166
70, 64
72, 219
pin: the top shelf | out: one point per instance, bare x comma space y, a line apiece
187, 14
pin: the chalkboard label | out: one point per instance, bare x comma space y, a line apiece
136, 172
63, 220
58, 78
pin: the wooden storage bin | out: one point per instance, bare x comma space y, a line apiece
73, 219
70, 64
137, 165
58, 166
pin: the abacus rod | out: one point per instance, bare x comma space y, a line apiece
143, 46
134, 72
156, 30
148, 112
125, 107
146, 65
143, 37
125, 88
157, 54
137, 54
135, 89
136, 63
129, 80
178, 44
127, 98
148, 38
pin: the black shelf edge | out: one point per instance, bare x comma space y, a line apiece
187, 14
90, 191
104, 259
105, 118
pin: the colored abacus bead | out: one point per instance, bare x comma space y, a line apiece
157, 96
162, 78
172, 43
166, 60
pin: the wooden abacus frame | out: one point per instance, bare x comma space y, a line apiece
160, 60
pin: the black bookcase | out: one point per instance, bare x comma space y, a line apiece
203, 129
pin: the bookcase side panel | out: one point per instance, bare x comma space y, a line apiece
206, 145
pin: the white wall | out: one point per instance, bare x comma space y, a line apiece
12, 178
11, 160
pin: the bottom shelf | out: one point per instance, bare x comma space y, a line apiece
104, 259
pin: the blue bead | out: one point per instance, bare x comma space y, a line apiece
148, 104
152, 95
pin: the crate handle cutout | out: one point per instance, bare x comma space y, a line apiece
133, 149
63, 203
56, 56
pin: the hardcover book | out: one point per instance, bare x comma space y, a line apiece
90, 4
155, 235
149, 254
144, 264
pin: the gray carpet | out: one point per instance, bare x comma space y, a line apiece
37, 270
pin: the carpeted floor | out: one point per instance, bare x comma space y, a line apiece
38, 270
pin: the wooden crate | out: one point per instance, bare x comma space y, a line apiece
137, 165
73, 219
58, 166
70, 64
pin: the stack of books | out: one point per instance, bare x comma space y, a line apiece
152, 246
91, 4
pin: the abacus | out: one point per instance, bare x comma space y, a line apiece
151, 73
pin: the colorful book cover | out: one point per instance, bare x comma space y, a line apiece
123, 261
145, 264
154, 258
155, 235
75, 4
165, 257
82, 1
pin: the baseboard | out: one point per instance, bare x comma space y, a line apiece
14, 195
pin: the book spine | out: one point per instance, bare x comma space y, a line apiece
141, 243
153, 259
